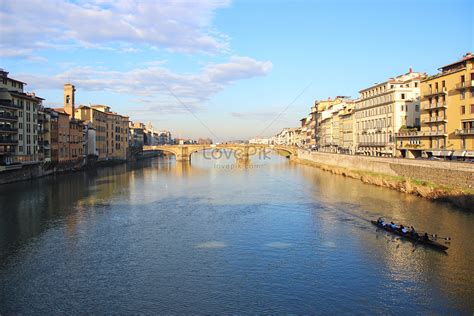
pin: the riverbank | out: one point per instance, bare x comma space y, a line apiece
38, 170
434, 180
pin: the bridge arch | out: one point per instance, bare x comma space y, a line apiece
184, 152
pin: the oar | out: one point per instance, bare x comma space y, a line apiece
435, 236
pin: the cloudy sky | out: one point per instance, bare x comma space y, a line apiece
224, 69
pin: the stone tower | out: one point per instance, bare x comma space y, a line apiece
69, 96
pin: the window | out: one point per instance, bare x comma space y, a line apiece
403, 108
463, 95
416, 84
463, 109
417, 108
403, 96
472, 109
417, 122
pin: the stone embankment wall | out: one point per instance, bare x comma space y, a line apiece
445, 173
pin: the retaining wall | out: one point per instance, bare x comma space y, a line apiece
448, 173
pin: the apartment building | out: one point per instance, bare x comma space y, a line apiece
384, 108
447, 114
116, 132
59, 135
97, 121
18, 121
76, 140
346, 129
136, 135
44, 135
321, 133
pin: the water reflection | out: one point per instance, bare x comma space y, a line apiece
159, 236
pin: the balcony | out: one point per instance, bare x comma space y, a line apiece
8, 129
8, 141
373, 144
9, 104
466, 131
8, 117
439, 105
464, 85
435, 119
429, 93
433, 133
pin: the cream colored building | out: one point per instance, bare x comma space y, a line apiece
347, 132
447, 117
382, 110
18, 121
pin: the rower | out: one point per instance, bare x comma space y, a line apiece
403, 229
381, 221
393, 226
426, 237
413, 232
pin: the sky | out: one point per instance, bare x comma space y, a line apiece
224, 69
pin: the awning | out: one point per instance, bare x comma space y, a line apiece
469, 154
459, 153
436, 153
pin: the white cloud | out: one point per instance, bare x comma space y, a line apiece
176, 25
153, 79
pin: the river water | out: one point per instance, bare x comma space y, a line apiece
222, 237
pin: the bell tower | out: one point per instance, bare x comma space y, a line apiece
69, 96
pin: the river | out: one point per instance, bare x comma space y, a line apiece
220, 237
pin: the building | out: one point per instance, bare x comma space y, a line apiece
382, 110
260, 141
59, 136
76, 140
346, 129
44, 135
18, 121
136, 135
164, 138
90, 142
97, 121
447, 114
116, 133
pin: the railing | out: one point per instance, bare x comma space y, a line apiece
8, 116
435, 91
435, 119
432, 133
373, 144
465, 131
7, 140
8, 129
434, 106
9, 104
465, 84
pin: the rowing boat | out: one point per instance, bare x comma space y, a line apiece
414, 239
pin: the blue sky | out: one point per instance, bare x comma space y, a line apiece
224, 69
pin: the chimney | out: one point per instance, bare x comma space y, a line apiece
411, 69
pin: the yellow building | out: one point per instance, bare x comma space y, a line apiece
116, 133
321, 112
346, 129
98, 121
447, 114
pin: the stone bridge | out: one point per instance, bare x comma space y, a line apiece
241, 151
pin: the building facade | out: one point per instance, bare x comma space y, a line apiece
447, 114
18, 121
382, 110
